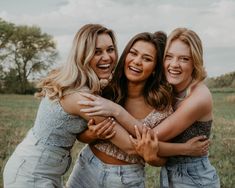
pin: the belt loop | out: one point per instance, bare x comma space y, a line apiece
164, 181
34, 139
121, 171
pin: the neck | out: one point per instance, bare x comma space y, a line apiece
135, 90
184, 87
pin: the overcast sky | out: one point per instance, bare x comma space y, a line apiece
213, 20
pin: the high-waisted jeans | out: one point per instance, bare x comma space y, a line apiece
34, 165
189, 172
91, 172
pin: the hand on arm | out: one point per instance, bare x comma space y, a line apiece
103, 130
196, 146
146, 145
98, 106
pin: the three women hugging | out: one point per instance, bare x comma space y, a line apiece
155, 93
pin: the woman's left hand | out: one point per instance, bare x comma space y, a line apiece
103, 130
146, 144
97, 106
198, 146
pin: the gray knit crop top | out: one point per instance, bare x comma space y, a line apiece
53, 126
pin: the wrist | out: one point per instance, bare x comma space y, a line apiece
117, 110
185, 149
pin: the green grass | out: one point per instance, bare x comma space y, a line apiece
17, 114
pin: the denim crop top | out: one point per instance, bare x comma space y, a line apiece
53, 126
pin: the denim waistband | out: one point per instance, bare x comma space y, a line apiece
179, 162
30, 140
184, 160
86, 152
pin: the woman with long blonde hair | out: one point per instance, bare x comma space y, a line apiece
43, 156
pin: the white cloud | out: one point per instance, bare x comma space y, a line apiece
212, 20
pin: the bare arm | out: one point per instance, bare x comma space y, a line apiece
121, 137
197, 105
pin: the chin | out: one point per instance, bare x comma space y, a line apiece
173, 81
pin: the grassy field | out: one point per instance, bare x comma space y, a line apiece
17, 113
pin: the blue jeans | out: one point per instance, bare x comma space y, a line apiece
34, 165
189, 172
91, 172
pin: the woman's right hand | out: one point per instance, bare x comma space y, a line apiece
103, 130
98, 106
198, 146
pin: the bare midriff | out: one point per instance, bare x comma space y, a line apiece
107, 158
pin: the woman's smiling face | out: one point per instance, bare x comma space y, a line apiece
105, 57
140, 61
178, 65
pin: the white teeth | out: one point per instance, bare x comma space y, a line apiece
104, 65
174, 71
135, 69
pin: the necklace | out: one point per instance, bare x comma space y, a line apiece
180, 96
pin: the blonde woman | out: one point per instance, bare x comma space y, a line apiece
43, 156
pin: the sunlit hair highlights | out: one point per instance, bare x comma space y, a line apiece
77, 73
156, 90
191, 39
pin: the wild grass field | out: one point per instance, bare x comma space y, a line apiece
17, 113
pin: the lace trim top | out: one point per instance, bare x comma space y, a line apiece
196, 129
53, 126
151, 120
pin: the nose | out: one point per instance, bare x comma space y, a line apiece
175, 62
105, 56
137, 60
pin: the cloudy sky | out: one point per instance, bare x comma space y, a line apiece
213, 20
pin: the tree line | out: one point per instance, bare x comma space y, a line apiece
25, 53
223, 81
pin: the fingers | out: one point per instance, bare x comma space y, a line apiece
137, 133
91, 122
144, 132
148, 135
88, 95
198, 138
155, 134
133, 141
106, 129
110, 135
86, 103
90, 110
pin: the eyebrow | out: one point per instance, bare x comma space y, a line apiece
171, 53
111, 46
148, 55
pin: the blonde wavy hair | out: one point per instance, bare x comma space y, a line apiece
190, 38
77, 73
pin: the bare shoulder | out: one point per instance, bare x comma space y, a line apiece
202, 92
201, 96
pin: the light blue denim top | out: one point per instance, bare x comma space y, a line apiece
55, 127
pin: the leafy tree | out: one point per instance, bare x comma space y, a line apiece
27, 51
6, 31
